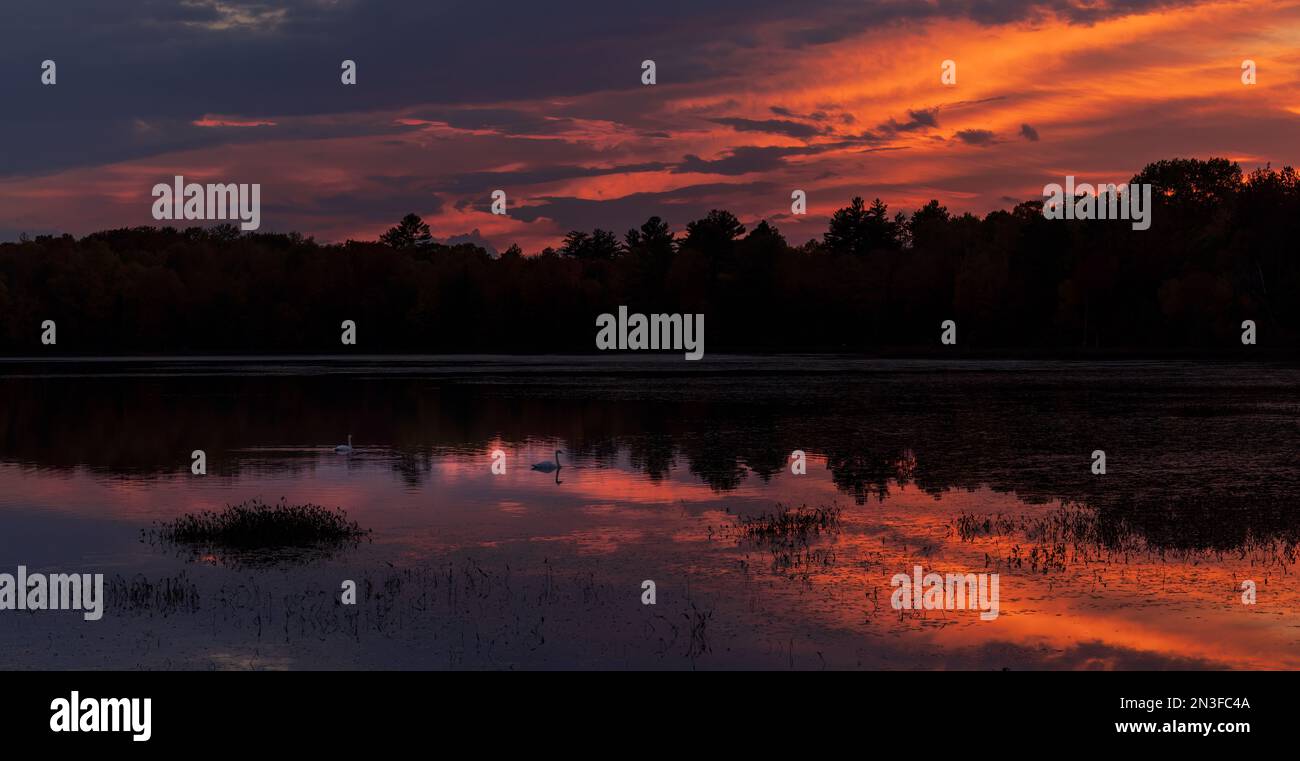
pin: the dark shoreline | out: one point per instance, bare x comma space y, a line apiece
1239, 355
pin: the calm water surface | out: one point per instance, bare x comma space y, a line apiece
955, 466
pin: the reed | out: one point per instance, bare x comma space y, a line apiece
254, 531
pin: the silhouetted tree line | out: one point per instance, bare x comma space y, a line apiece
1221, 249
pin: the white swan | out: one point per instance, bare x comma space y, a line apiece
344, 448
547, 466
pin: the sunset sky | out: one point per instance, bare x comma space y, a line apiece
755, 98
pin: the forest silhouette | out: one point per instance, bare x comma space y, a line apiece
1221, 249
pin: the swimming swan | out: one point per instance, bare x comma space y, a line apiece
548, 466
344, 448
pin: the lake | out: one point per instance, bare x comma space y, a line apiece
674, 472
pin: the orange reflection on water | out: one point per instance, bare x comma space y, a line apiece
829, 595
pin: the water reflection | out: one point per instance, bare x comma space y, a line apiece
960, 466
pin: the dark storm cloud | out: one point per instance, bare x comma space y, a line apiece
741, 160
168, 63
819, 115
925, 118
975, 136
773, 126
69, 144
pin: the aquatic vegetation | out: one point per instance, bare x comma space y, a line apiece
788, 526
254, 532
1169, 528
697, 622
969, 525
787, 534
458, 612
139, 595
801, 563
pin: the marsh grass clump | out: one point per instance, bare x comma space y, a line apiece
969, 526
1176, 528
788, 534
254, 532
789, 526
